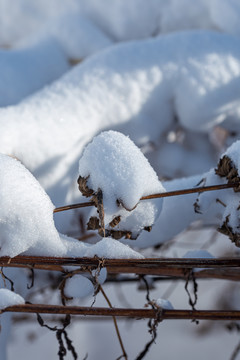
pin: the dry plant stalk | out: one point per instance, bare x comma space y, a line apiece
161, 195
125, 312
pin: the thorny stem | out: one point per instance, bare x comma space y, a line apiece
160, 195
115, 323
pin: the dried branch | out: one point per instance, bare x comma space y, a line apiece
160, 195
150, 266
123, 312
115, 323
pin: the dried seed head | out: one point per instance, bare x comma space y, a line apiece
148, 228
115, 221
93, 223
227, 169
82, 185
224, 166
227, 230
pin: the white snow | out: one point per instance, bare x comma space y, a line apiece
112, 163
164, 304
27, 69
175, 93
225, 15
106, 248
198, 254
139, 100
9, 298
26, 220
77, 35
78, 286
26, 213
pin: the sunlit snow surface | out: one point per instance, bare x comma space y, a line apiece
175, 93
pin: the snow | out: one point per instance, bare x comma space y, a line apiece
112, 163
26, 214
225, 15
26, 220
103, 92
78, 286
198, 254
106, 248
164, 74
164, 304
27, 69
76, 34
9, 298
224, 205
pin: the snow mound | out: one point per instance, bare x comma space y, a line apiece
26, 214
77, 35
29, 68
9, 298
113, 165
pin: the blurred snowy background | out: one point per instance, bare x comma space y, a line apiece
167, 74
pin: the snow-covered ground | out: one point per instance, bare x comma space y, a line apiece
119, 99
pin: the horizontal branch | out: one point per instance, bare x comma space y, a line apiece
131, 263
225, 268
160, 195
181, 274
132, 313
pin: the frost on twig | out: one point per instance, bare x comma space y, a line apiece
225, 205
115, 174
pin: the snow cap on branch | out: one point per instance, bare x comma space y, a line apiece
224, 204
114, 169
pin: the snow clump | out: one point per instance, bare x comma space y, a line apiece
164, 304
26, 213
224, 203
9, 298
116, 174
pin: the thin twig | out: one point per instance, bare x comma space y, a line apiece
115, 322
155, 196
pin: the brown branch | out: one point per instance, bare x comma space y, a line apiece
178, 274
221, 268
122, 312
115, 322
139, 266
160, 195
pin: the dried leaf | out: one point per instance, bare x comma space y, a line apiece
93, 223
115, 221
82, 184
